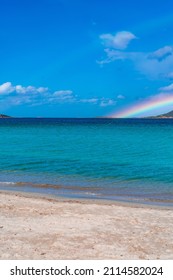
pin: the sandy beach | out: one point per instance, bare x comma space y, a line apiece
34, 227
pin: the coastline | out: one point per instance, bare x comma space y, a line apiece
34, 226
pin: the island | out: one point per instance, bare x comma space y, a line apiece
4, 116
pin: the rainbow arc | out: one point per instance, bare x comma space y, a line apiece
144, 107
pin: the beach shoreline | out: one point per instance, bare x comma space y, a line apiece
152, 204
83, 193
33, 226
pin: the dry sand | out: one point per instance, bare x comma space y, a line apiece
33, 227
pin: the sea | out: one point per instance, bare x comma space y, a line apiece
125, 160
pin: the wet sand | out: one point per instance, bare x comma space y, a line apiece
35, 227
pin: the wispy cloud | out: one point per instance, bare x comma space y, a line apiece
62, 93
156, 64
112, 55
167, 88
169, 75
161, 53
89, 100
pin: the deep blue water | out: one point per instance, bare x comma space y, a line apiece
121, 159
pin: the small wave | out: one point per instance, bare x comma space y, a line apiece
91, 193
7, 183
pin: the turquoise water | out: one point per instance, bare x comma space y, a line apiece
119, 159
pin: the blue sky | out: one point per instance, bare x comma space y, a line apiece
74, 58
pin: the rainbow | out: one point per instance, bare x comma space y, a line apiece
143, 107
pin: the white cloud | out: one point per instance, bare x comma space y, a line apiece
102, 102
6, 88
155, 64
120, 96
63, 93
107, 102
62, 96
20, 89
89, 100
34, 96
29, 89
42, 89
118, 41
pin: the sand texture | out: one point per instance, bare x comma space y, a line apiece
33, 227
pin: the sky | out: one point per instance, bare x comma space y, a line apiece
75, 58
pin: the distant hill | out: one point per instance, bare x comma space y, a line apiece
168, 115
4, 116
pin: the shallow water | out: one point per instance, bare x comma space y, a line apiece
121, 159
